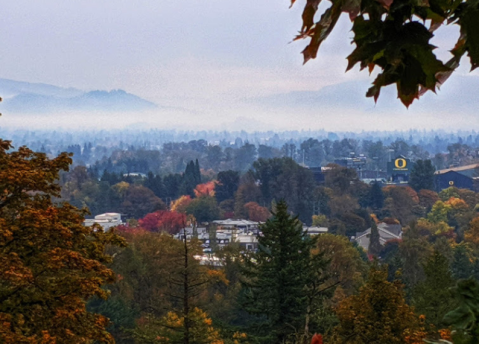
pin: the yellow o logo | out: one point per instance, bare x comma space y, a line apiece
451, 183
400, 163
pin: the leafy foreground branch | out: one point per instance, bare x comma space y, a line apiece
395, 36
50, 264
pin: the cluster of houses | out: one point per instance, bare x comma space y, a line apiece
221, 233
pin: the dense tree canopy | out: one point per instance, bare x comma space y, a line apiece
395, 36
50, 264
378, 314
228, 182
283, 178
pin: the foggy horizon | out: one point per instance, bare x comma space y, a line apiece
231, 67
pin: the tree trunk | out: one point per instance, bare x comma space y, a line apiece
306, 324
186, 307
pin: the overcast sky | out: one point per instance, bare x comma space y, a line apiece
207, 57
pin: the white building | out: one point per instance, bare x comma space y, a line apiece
229, 224
107, 220
386, 233
247, 241
315, 230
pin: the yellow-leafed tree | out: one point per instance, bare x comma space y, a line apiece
377, 315
169, 329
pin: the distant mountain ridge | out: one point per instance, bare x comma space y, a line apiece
24, 97
351, 95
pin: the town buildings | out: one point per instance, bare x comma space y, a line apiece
461, 177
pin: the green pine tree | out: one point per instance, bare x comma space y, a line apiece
189, 180
422, 175
432, 297
465, 318
276, 279
197, 173
461, 266
374, 243
376, 196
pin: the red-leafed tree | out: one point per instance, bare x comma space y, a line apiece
317, 339
163, 221
257, 212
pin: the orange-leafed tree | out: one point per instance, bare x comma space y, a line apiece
181, 204
50, 264
205, 189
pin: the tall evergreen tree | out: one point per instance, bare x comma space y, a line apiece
376, 196
461, 266
422, 175
197, 173
190, 179
432, 297
172, 183
276, 278
465, 318
374, 243
155, 184
106, 177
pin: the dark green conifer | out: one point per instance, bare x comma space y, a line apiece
461, 266
374, 243
197, 172
190, 180
432, 297
422, 175
376, 196
276, 278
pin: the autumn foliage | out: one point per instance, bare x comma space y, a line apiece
378, 314
317, 339
50, 264
181, 204
168, 328
205, 189
257, 212
163, 221
471, 236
